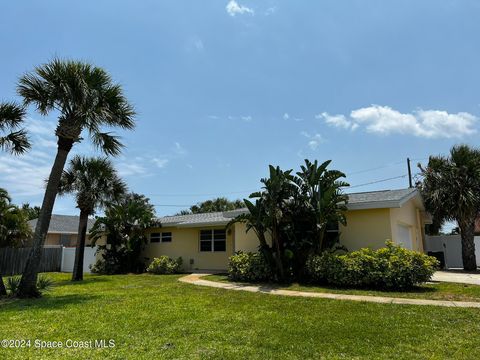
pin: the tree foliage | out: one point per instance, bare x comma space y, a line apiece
123, 228
89, 103
291, 213
14, 228
94, 183
451, 191
14, 139
214, 205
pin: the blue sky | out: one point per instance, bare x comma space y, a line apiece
224, 88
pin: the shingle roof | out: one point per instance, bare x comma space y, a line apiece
380, 199
215, 218
363, 200
65, 224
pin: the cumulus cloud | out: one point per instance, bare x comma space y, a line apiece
339, 121
421, 123
233, 8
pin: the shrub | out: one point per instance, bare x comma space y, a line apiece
249, 267
165, 265
13, 282
44, 283
392, 267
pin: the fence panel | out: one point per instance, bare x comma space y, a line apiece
13, 260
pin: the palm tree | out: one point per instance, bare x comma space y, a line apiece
95, 182
124, 226
15, 140
86, 99
451, 191
321, 191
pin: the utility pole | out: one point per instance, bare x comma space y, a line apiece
409, 174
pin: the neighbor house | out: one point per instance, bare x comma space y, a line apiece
63, 230
204, 242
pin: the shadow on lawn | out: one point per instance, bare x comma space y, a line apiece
329, 288
87, 281
45, 302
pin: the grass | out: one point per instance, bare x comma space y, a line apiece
153, 317
433, 291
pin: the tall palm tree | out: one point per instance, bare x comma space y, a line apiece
95, 183
15, 139
451, 190
86, 99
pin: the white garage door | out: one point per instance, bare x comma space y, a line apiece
68, 258
404, 236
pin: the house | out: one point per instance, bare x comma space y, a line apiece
203, 241
63, 230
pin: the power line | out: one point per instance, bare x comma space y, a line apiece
378, 181
253, 190
205, 194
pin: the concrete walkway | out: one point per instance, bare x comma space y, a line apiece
195, 279
457, 277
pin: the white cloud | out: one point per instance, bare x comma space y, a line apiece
40, 127
130, 168
270, 10
337, 120
286, 116
233, 8
179, 149
314, 140
421, 123
161, 163
246, 118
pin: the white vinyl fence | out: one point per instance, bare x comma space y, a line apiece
68, 258
451, 246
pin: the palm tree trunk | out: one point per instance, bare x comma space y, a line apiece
28, 284
467, 233
278, 251
77, 274
3, 291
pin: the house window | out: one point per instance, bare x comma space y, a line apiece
166, 237
213, 240
155, 237
332, 234
161, 237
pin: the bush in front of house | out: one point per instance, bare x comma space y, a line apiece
392, 267
249, 267
165, 265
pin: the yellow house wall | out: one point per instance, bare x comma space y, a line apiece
366, 228
247, 242
407, 215
186, 244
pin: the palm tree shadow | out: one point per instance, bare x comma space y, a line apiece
46, 302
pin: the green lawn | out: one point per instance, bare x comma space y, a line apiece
434, 291
152, 317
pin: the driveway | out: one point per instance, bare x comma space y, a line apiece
457, 277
